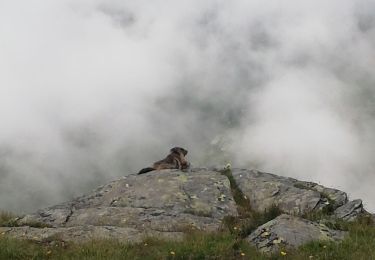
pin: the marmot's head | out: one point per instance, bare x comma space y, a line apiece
179, 150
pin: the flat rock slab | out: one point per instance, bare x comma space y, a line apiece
165, 201
290, 195
290, 231
83, 234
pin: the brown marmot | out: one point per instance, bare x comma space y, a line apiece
174, 160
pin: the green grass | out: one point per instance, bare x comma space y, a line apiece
242, 227
8, 219
194, 246
359, 244
248, 219
243, 203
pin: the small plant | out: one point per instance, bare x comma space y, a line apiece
330, 208
243, 203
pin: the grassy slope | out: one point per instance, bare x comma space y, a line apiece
360, 244
195, 246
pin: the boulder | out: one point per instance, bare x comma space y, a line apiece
292, 196
288, 231
349, 211
159, 201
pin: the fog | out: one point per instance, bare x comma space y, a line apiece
94, 90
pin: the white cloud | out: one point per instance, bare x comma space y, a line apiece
90, 90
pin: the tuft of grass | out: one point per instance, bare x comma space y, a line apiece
7, 219
316, 215
248, 219
242, 227
243, 203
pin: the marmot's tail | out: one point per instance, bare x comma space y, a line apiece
144, 170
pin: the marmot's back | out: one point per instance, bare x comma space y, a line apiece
174, 160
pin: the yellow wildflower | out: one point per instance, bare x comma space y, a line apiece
242, 254
173, 253
283, 253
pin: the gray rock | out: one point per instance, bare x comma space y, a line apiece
290, 195
350, 211
84, 233
265, 189
290, 231
159, 201
337, 196
167, 203
56, 214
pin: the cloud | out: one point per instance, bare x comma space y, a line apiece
93, 90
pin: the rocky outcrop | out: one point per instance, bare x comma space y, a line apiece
290, 195
290, 231
167, 203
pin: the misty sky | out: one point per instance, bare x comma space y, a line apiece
91, 90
